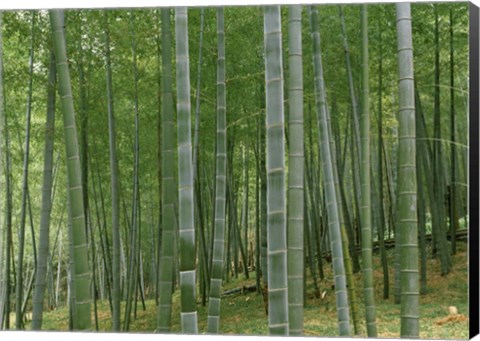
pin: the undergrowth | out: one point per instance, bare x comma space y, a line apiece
244, 313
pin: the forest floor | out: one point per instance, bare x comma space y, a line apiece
244, 313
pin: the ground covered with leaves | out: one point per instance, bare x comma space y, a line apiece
244, 313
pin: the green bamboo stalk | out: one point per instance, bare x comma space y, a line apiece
423, 157
245, 208
295, 256
239, 245
276, 203
43, 246
330, 192
366, 219
72, 314
309, 222
453, 155
81, 265
343, 231
199, 211
90, 235
204, 269
83, 119
232, 208
197, 97
313, 216
381, 223
351, 87
351, 286
423, 181
263, 195
439, 229
21, 234
355, 152
258, 271
168, 184
229, 236
158, 232
134, 235
8, 221
421, 207
185, 176
84, 156
102, 224
263, 212
406, 180
114, 183
213, 323
3, 227
51, 302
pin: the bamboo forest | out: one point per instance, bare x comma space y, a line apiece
241, 170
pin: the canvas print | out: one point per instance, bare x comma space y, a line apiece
295, 170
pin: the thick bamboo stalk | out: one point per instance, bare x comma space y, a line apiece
406, 179
213, 322
276, 203
185, 176
82, 272
295, 223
